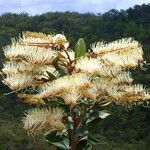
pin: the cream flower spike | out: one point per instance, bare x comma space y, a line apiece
34, 35
32, 99
130, 95
56, 119
12, 67
63, 84
59, 39
53, 89
71, 96
108, 70
32, 54
35, 120
137, 88
123, 78
81, 80
121, 45
91, 92
34, 38
19, 81
46, 90
43, 119
88, 65
124, 60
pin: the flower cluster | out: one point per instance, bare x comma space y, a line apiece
44, 119
45, 64
29, 57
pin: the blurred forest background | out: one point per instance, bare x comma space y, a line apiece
125, 129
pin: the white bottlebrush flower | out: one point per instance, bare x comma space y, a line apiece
19, 81
53, 89
32, 54
41, 56
59, 39
91, 92
123, 78
88, 65
35, 120
137, 88
126, 60
71, 96
60, 85
63, 83
107, 70
43, 119
132, 94
105, 87
11, 67
121, 45
35, 38
32, 99
38, 73
55, 120
81, 80
46, 90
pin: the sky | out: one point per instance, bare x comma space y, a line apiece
34, 7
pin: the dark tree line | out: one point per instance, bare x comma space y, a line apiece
122, 128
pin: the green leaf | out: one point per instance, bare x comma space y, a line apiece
57, 140
58, 68
80, 48
106, 104
87, 147
51, 75
81, 145
82, 131
97, 114
84, 145
103, 114
69, 122
94, 120
95, 140
94, 125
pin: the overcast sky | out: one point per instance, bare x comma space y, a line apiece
34, 7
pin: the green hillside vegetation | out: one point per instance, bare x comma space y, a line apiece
125, 129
